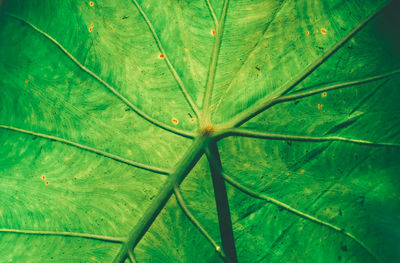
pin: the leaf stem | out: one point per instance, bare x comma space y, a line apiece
221, 199
192, 218
186, 164
287, 137
263, 105
169, 64
278, 203
65, 234
141, 113
213, 64
150, 168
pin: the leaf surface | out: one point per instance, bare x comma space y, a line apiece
109, 108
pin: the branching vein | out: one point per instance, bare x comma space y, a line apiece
169, 64
196, 222
131, 256
299, 95
105, 84
213, 63
185, 165
263, 105
297, 212
287, 137
91, 149
65, 234
212, 13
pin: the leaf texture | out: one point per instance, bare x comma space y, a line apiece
120, 119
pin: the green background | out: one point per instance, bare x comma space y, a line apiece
47, 185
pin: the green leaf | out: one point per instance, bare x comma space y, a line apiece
199, 131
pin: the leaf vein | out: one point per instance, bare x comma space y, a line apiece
104, 83
91, 149
166, 58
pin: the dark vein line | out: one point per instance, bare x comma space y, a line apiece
370, 95
278, 203
275, 13
212, 13
286, 230
288, 137
105, 84
131, 256
307, 93
91, 149
213, 64
197, 224
169, 64
262, 105
185, 165
66, 234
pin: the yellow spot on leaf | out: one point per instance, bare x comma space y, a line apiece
302, 171
129, 152
175, 121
